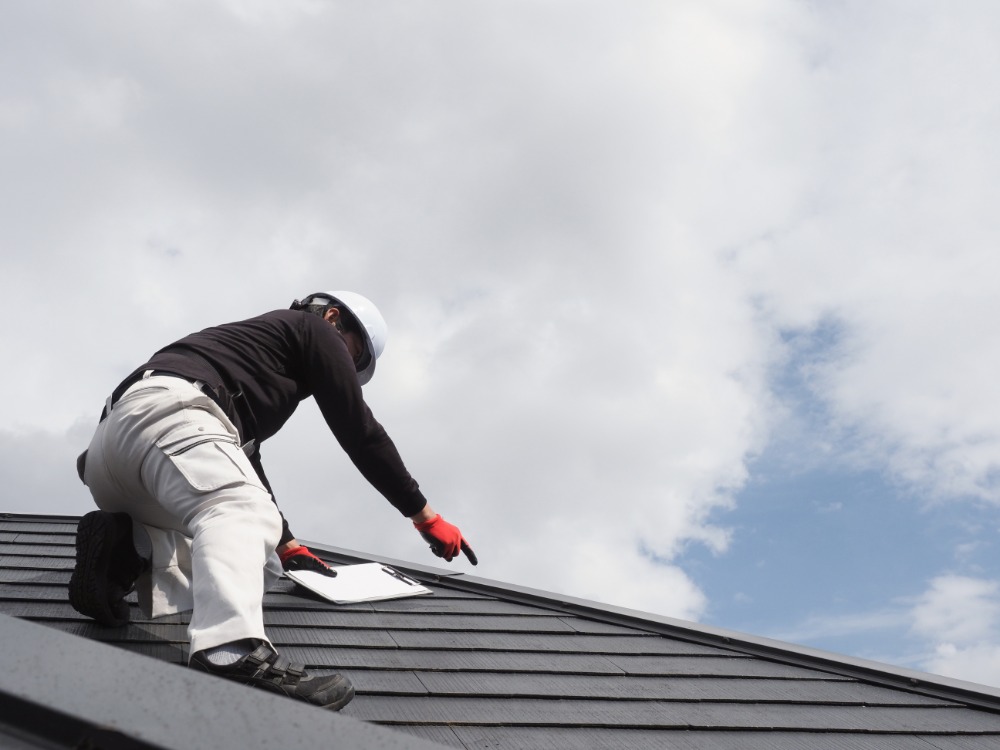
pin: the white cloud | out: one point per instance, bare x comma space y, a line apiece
261, 12
893, 237
102, 103
39, 470
979, 662
958, 609
587, 224
820, 627
959, 617
952, 629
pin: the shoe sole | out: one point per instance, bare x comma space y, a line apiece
341, 702
332, 706
89, 586
203, 665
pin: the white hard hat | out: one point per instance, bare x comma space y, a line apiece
370, 322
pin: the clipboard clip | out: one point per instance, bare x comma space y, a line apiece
396, 574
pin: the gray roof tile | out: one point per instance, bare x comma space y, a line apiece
484, 664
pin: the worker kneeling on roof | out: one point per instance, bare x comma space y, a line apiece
186, 511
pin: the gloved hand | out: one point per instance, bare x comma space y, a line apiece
445, 539
300, 558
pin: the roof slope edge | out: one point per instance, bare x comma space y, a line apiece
924, 683
109, 697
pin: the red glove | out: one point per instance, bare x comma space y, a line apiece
300, 558
446, 540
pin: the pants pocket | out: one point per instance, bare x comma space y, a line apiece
213, 464
198, 430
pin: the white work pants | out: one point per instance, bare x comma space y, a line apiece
169, 457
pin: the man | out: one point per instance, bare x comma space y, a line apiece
187, 515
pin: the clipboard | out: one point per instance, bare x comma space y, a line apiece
365, 582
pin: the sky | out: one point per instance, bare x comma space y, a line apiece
693, 306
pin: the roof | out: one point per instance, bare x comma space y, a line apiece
483, 664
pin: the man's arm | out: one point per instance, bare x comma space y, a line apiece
444, 538
424, 515
335, 386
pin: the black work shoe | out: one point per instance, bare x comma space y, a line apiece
107, 565
265, 669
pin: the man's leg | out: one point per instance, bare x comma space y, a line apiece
167, 456
235, 527
234, 530
175, 461
108, 565
108, 559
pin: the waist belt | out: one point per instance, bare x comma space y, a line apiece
116, 395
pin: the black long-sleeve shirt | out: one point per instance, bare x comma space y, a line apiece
263, 367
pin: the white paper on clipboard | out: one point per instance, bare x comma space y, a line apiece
366, 582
